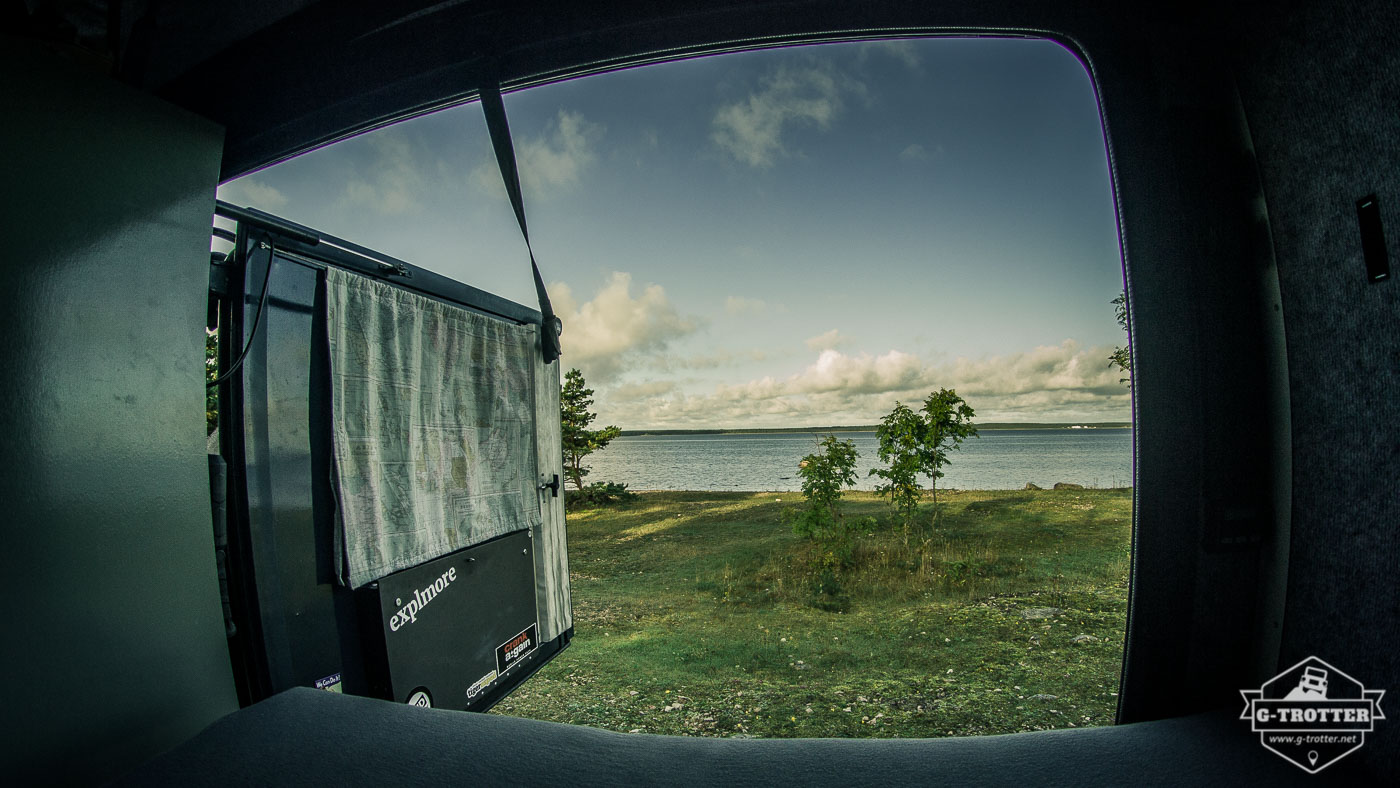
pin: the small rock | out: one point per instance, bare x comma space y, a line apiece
1029, 613
1033, 486
1083, 639
1068, 486
1043, 696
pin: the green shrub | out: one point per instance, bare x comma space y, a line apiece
597, 494
825, 475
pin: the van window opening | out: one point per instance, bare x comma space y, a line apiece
746, 245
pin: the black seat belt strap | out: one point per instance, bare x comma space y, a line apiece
495, 111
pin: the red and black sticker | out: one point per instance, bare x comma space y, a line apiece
516, 649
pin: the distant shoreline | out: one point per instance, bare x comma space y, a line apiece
1039, 425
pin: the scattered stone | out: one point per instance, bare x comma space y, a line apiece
1030, 613
1084, 639
1033, 486
1043, 696
1068, 486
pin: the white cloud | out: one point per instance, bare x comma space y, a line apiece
393, 179
902, 50
631, 392
740, 305
1050, 383
251, 192
914, 152
827, 341
603, 334
549, 162
752, 130
667, 362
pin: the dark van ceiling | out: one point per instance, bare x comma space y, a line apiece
286, 76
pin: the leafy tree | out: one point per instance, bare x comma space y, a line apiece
915, 443
901, 436
825, 475
1120, 357
211, 373
578, 440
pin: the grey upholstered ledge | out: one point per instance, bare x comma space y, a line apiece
310, 737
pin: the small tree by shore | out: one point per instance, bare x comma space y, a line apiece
579, 441
1121, 357
826, 474
917, 443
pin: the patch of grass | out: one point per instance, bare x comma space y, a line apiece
703, 614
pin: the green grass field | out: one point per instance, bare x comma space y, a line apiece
695, 613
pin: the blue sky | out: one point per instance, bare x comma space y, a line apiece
787, 237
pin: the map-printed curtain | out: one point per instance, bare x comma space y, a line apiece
434, 434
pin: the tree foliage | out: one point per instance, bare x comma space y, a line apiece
915, 443
211, 374
825, 475
575, 417
1121, 357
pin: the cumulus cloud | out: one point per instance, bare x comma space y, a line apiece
1049, 383
751, 130
602, 334
393, 178
914, 152
551, 161
668, 362
827, 341
902, 50
631, 392
739, 305
252, 192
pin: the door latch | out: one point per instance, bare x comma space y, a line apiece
552, 486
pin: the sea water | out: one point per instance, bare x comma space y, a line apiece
995, 460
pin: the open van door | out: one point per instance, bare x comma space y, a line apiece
388, 457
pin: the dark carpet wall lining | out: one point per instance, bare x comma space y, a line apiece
1321, 85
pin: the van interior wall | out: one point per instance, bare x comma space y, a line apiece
1321, 83
114, 647
1209, 387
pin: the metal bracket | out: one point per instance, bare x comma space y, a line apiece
552, 486
390, 269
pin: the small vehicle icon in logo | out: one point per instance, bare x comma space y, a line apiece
1312, 686
1312, 714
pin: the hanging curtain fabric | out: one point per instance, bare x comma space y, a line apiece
433, 426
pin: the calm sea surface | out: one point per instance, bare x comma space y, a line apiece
997, 460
